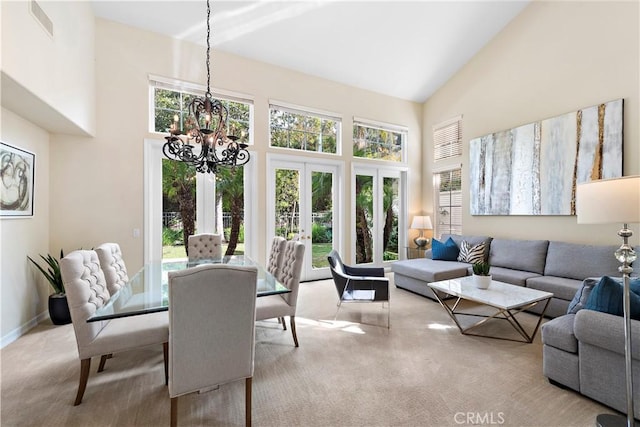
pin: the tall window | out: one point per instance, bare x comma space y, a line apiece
378, 141
193, 203
447, 186
304, 130
447, 181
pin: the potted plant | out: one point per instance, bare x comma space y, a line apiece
481, 277
58, 306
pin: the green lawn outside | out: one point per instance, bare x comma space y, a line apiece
318, 253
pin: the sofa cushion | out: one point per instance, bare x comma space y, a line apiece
444, 251
558, 333
471, 253
582, 295
576, 261
526, 255
473, 240
430, 270
607, 297
514, 277
560, 287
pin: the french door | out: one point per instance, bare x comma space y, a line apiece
302, 201
379, 214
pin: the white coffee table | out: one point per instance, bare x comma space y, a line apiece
508, 300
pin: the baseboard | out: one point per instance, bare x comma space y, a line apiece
23, 329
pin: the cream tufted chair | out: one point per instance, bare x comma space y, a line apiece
205, 246
278, 306
212, 330
276, 256
112, 264
86, 290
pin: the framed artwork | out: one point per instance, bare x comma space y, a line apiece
534, 169
17, 177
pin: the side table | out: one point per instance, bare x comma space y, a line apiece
416, 252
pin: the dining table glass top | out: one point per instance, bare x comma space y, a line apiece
148, 290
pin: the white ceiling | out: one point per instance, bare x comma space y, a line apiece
406, 49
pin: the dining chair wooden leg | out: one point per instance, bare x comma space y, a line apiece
292, 320
247, 390
284, 325
165, 351
103, 360
174, 411
85, 365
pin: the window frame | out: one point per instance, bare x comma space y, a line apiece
447, 139
389, 127
309, 112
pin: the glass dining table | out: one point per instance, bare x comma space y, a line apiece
148, 290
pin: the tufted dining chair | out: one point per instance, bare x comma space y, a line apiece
278, 306
113, 266
86, 290
204, 246
211, 330
276, 255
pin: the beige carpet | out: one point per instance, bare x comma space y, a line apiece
421, 372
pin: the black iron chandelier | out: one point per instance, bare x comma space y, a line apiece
204, 143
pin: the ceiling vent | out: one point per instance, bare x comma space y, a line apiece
41, 17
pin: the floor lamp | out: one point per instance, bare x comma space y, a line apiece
607, 201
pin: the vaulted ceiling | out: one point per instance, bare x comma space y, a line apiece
406, 49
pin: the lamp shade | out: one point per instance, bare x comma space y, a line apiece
615, 200
421, 222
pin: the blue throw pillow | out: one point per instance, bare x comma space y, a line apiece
582, 295
447, 251
607, 297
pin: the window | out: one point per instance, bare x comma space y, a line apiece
378, 141
447, 139
172, 99
448, 201
304, 130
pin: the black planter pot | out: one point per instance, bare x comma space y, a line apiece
59, 309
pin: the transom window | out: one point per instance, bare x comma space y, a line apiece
378, 141
304, 130
170, 101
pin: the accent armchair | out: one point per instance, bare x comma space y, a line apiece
359, 284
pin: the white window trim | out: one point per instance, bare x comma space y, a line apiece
296, 109
404, 130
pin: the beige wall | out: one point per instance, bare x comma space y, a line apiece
50, 79
100, 198
23, 291
555, 57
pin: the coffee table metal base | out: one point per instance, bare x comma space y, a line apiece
501, 314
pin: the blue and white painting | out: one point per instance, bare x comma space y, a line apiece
534, 169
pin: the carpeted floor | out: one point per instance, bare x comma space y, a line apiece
349, 372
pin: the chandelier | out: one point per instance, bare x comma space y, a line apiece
204, 143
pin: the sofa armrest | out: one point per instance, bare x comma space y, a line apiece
606, 331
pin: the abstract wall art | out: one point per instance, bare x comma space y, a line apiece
534, 169
17, 169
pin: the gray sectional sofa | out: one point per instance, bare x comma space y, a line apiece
585, 352
582, 351
551, 266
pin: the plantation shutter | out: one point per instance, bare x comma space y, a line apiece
447, 139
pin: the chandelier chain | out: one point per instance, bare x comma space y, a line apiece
208, 49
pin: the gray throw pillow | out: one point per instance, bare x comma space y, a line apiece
582, 295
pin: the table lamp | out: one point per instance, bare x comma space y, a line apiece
607, 201
421, 223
